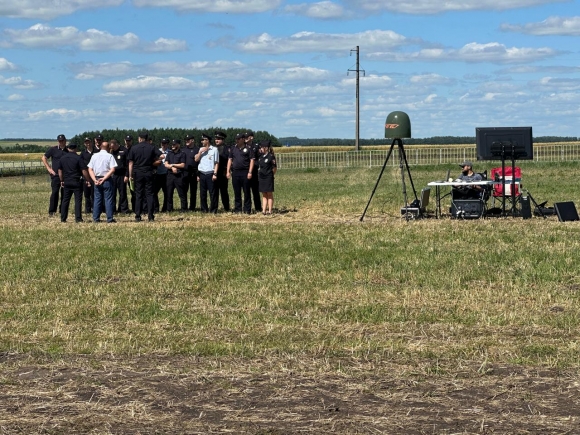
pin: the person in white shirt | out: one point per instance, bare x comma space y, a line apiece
101, 169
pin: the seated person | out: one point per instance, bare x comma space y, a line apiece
467, 175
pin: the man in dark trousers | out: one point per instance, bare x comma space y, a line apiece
54, 153
128, 145
221, 183
175, 165
143, 157
88, 189
72, 171
120, 178
190, 182
254, 183
240, 168
160, 180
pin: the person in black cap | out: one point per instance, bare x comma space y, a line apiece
254, 183
221, 183
88, 189
209, 160
240, 167
143, 157
191, 179
120, 178
72, 170
160, 179
54, 153
266, 171
98, 141
467, 175
175, 165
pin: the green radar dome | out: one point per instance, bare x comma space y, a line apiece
398, 125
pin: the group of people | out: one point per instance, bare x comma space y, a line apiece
105, 170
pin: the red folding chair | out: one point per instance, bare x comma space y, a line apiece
498, 189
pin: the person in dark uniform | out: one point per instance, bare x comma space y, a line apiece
160, 179
143, 157
222, 181
254, 186
208, 159
120, 178
88, 189
175, 165
128, 144
266, 170
240, 167
98, 141
191, 178
72, 170
54, 153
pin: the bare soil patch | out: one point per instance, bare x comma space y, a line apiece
187, 395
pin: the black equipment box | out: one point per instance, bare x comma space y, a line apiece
467, 208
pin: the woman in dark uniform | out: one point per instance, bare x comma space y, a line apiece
266, 170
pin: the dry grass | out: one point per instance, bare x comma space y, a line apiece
305, 321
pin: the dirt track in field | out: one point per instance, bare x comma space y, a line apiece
183, 395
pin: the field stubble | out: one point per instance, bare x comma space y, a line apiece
307, 321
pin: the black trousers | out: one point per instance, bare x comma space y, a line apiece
190, 184
89, 194
206, 189
143, 192
255, 187
176, 181
241, 185
221, 189
71, 189
55, 191
120, 188
160, 183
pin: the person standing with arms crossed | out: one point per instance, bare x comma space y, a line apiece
208, 158
120, 177
175, 165
54, 153
254, 186
222, 181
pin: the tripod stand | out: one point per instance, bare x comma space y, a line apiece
402, 159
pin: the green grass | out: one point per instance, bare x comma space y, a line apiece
312, 281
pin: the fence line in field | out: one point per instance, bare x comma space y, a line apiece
358, 159
415, 156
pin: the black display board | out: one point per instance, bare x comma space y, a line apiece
497, 143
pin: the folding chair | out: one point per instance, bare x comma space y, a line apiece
498, 189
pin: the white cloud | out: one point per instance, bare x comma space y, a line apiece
89, 70
321, 10
421, 7
218, 6
430, 79
142, 83
371, 81
274, 92
55, 113
322, 42
47, 10
19, 83
15, 97
43, 36
300, 74
493, 52
6, 66
564, 26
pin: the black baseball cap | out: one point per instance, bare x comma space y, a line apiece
99, 136
60, 137
220, 135
176, 141
189, 137
128, 137
164, 140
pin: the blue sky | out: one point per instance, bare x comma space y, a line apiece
68, 66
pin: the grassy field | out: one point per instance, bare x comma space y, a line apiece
305, 321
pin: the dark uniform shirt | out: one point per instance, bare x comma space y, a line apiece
121, 158
224, 153
241, 158
55, 153
72, 166
86, 155
143, 155
175, 158
257, 153
190, 163
266, 165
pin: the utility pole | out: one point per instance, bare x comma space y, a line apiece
357, 70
